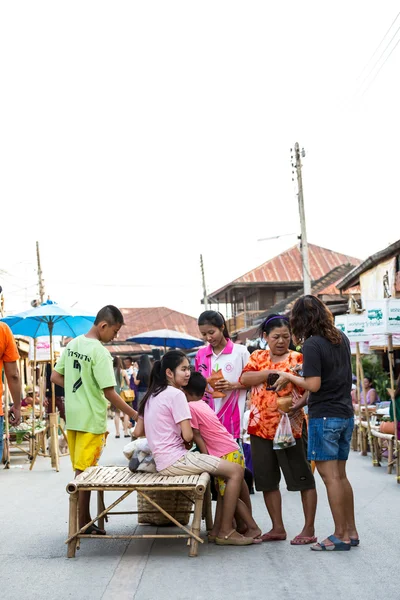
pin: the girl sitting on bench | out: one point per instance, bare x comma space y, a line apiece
164, 417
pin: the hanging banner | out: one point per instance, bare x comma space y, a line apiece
43, 348
383, 316
354, 326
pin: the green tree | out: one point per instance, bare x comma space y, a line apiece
372, 367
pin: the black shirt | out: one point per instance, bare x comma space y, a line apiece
331, 362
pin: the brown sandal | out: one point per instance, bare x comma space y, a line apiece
227, 540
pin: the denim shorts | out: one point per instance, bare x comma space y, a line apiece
329, 438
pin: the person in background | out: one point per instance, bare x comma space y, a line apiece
370, 391
223, 356
327, 376
8, 360
122, 381
28, 400
143, 377
59, 395
397, 400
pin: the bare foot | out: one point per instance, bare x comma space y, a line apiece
254, 533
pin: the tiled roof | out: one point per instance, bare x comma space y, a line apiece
287, 267
139, 320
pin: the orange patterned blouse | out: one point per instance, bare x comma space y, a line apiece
264, 416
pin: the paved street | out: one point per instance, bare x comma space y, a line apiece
34, 566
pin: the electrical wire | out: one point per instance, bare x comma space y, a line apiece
379, 45
379, 59
381, 67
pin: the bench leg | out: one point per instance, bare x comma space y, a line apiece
100, 507
198, 509
208, 508
73, 523
390, 457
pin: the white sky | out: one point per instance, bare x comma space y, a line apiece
135, 135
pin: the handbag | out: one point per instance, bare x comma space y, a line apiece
127, 395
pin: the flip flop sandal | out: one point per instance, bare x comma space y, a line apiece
354, 542
337, 545
279, 537
227, 540
301, 540
94, 530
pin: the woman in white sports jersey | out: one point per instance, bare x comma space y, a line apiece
222, 361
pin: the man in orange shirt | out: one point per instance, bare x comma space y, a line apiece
9, 356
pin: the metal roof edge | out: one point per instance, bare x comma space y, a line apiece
353, 277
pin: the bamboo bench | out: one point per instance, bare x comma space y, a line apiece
378, 438
120, 479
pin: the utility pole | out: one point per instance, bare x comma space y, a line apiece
41, 282
203, 279
304, 244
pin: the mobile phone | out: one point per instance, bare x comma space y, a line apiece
271, 380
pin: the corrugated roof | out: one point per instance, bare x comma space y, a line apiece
139, 320
287, 267
353, 277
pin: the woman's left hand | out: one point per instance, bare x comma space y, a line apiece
281, 382
222, 385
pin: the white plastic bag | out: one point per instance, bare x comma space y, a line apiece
284, 437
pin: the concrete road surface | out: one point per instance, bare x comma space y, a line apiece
33, 565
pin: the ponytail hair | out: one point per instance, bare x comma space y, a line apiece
158, 376
212, 317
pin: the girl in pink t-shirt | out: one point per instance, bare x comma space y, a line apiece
211, 437
164, 417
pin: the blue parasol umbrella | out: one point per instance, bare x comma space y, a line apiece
167, 337
50, 319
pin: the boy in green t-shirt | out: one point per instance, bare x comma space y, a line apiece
85, 371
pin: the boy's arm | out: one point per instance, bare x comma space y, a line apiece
200, 443
120, 404
57, 379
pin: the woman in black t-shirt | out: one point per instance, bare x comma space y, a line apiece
327, 375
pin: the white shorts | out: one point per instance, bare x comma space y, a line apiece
193, 463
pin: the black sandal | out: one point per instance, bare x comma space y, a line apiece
94, 530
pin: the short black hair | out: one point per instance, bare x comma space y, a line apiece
110, 314
197, 385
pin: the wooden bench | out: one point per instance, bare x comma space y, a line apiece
121, 479
378, 439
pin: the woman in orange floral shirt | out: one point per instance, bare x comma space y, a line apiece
263, 422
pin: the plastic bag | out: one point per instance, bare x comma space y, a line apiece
284, 437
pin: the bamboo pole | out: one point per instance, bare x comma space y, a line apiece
53, 415
358, 360
375, 462
170, 517
34, 397
393, 400
105, 511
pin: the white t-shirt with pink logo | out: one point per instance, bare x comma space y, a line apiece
232, 366
162, 415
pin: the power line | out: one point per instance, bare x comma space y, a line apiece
382, 65
379, 59
379, 45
